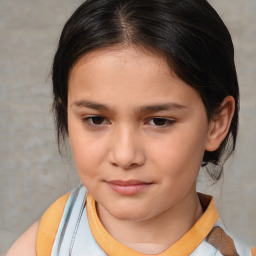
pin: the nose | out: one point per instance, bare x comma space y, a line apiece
126, 149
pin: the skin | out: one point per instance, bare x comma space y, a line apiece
120, 129
131, 120
26, 244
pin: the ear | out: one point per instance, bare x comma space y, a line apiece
220, 123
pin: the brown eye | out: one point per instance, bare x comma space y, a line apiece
159, 121
97, 120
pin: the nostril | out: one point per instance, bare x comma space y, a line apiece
129, 161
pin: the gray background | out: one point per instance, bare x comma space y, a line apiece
33, 175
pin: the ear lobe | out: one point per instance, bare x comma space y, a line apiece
220, 123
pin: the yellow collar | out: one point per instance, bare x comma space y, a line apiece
185, 246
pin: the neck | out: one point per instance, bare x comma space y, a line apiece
154, 235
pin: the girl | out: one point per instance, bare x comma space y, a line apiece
147, 93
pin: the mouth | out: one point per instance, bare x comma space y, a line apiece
128, 188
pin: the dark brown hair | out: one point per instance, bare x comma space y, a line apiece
188, 33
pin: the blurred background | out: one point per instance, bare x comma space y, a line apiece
33, 175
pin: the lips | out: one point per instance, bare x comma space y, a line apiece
128, 188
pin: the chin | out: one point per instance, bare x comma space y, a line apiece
131, 214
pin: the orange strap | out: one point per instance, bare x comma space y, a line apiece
253, 251
49, 225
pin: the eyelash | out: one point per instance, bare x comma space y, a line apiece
167, 122
89, 121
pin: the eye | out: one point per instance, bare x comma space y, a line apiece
95, 120
158, 121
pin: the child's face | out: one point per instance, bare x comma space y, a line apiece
138, 133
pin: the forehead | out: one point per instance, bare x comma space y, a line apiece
125, 75
109, 56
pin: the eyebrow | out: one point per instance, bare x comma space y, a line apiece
91, 104
161, 107
141, 110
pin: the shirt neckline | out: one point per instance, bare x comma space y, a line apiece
183, 247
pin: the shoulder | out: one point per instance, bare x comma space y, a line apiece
49, 225
226, 242
26, 244
39, 238
219, 237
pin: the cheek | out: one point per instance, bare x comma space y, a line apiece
86, 157
87, 150
86, 153
179, 156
